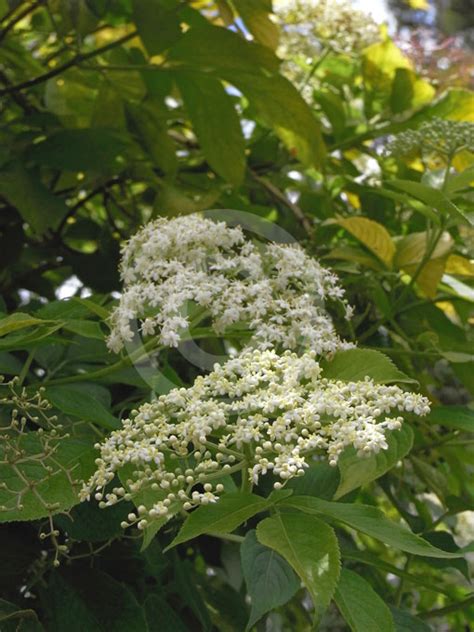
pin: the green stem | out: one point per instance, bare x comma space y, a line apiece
401, 585
441, 612
227, 536
26, 367
324, 53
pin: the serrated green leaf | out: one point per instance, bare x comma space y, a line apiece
362, 608
406, 622
80, 401
357, 364
270, 581
457, 417
320, 480
356, 471
310, 547
371, 521
224, 516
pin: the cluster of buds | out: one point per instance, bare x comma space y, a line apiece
260, 412
437, 137
275, 292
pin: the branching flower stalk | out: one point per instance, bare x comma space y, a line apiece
259, 413
27, 409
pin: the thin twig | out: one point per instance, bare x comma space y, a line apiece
441, 612
76, 60
4, 32
281, 197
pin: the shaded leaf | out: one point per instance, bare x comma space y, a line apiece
216, 124
371, 521
270, 581
362, 608
310, 547
356, 472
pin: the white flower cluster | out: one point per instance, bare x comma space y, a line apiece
274, 291
438, 136
331, 23
259, 412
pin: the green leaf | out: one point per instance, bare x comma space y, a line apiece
310, 547
80, 400
40, 334
40, 491
374, 559
319, 480
357, 364
86, 522
253, 69
82, 150
361, 606
216, 124
219, 51
82, 599
85, 328
460, 181
406, 622
158, 24
356, 472
371, 521
270, 581
431, 197
30, 197
161, 617
149, 122
221, 517
457, 417
255, 14
9, 364
280, 106
17, 321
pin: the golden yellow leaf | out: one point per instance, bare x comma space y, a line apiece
460, 265
448, 309
372, 234
418, 5
429, 277
353, 199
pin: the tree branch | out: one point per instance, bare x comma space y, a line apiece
281, 197
76, 60
4, 32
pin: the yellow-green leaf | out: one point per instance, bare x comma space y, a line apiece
256, 16
412, 248
372, 234
460, 266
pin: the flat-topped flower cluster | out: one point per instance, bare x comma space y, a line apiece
275, 291
257, 413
